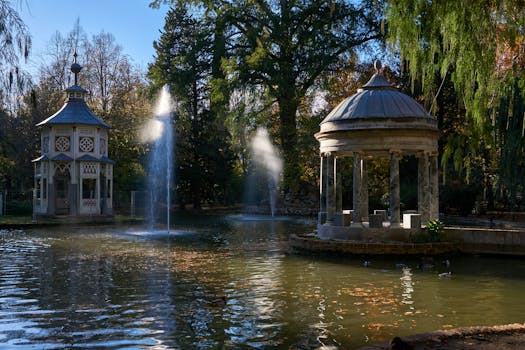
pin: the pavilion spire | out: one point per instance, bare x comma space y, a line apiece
75, 67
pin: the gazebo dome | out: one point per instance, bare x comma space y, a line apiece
378, 118
378, 105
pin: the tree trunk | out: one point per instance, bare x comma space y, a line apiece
288, 134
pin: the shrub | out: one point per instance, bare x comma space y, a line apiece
435, 230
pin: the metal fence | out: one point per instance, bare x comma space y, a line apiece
16, 202
130, 203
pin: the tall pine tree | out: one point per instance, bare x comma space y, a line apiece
186, 60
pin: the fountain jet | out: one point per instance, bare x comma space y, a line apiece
266, 156
159, 132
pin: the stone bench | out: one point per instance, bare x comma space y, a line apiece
375, 220
348, 216
381, 212
412, 221
344, 219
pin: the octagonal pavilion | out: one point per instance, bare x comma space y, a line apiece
73, 176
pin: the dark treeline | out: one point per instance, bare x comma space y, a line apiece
233, 66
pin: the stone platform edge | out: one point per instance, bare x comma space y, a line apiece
316, 245
469, 240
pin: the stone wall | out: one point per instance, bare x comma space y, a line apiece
458, 240
489, 241
315, 245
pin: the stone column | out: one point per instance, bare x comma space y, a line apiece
419, 182
74, 185
424, 188
36, 165
73, 199
363, 198
395, 211
110, 189
321, 217
434, 188
330, 190
338, 194
51, 197
356, 189
74, 171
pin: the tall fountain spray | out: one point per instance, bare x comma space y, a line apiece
159, 132
266, 156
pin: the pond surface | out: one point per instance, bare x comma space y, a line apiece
229, 282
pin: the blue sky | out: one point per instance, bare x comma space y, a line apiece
132, 22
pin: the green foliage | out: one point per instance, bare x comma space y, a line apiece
459, 198
473, 50
280, 51
436, 230
187, 62
286, 46
17, 207
434, 233
18, 146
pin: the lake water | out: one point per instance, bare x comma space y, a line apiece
230, 282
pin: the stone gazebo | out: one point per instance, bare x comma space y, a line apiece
74, 175
378, 121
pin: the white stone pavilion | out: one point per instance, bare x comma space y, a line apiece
377, 122
73, 176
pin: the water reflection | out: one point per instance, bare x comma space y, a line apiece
407, 285
230, 284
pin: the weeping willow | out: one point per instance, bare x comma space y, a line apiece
480, 46
15, 44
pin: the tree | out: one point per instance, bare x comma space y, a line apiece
106, 68
478, 45
186, 52
285, 46
15, 43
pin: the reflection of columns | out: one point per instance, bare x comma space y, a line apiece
363, 194
321, 217
356, 188
424, 188
330, 189
395, 211
434, 188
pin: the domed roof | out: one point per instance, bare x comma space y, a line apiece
378, 105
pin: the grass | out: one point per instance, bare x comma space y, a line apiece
15, 219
